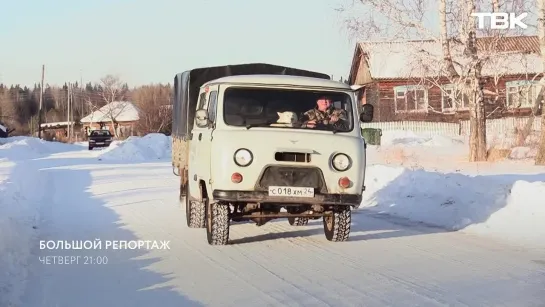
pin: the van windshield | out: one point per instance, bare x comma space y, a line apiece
288, 108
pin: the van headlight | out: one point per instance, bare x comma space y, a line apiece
341, 162
243, 157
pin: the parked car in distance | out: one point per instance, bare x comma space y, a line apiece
100, 138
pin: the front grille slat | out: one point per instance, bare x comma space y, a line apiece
292, 157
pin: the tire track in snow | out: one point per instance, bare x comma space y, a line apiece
412, 281
317, 268
410, 285
384, 279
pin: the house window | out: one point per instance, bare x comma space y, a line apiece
522, 94
454, 98
412, 98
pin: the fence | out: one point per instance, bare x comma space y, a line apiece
494, 127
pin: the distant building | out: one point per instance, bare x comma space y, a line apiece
124, 115
57, 130
396, 79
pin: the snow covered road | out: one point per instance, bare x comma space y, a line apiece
387, 261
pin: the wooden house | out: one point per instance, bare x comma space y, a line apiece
123, 114
58, 131
405, 80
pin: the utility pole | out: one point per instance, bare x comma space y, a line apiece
72, 115
41, 104
68, 111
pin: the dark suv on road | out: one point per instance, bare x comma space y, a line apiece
100, 138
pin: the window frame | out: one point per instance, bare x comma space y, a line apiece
408, 88
212, 106
352, 122
455, 91
533, 87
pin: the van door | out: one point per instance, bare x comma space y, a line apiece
194, 173
202, 136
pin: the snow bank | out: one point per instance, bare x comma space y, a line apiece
23, 148
410, 138
522, 217
489, 204
406, 148
154, 146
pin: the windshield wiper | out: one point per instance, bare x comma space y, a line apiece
258, 125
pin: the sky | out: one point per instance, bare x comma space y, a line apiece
146, 42
150, 41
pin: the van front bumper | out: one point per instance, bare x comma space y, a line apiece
263, 197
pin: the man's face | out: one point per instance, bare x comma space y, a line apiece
323, 104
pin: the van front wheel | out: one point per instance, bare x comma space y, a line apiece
217, 223
337, 224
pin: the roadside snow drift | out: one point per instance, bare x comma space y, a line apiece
522, 217
494, 205
23, 148
154, 146
409, 138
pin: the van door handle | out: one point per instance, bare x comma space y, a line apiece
200, 136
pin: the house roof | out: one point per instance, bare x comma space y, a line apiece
415, 59
120, 111
56, 124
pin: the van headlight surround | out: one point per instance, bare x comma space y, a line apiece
341, 162
243, 157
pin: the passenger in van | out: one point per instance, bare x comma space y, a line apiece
324, 114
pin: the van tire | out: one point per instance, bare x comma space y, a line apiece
337, 225
194, 211
298, 221
217, 223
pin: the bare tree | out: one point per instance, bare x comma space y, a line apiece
540, 158
153, 102
461, 58
113, 92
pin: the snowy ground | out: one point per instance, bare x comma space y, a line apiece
400, 252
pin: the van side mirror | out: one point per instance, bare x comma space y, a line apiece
201, 118
367, 113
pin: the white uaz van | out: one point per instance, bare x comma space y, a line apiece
247, 148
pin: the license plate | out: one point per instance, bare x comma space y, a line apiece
100, 143
291, 191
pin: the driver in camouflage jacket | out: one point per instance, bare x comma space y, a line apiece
324, 114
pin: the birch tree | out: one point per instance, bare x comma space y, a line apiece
113, 90
461, 59
540, 158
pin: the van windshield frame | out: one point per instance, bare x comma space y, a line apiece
247, 106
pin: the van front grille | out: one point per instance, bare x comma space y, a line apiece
292, 157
